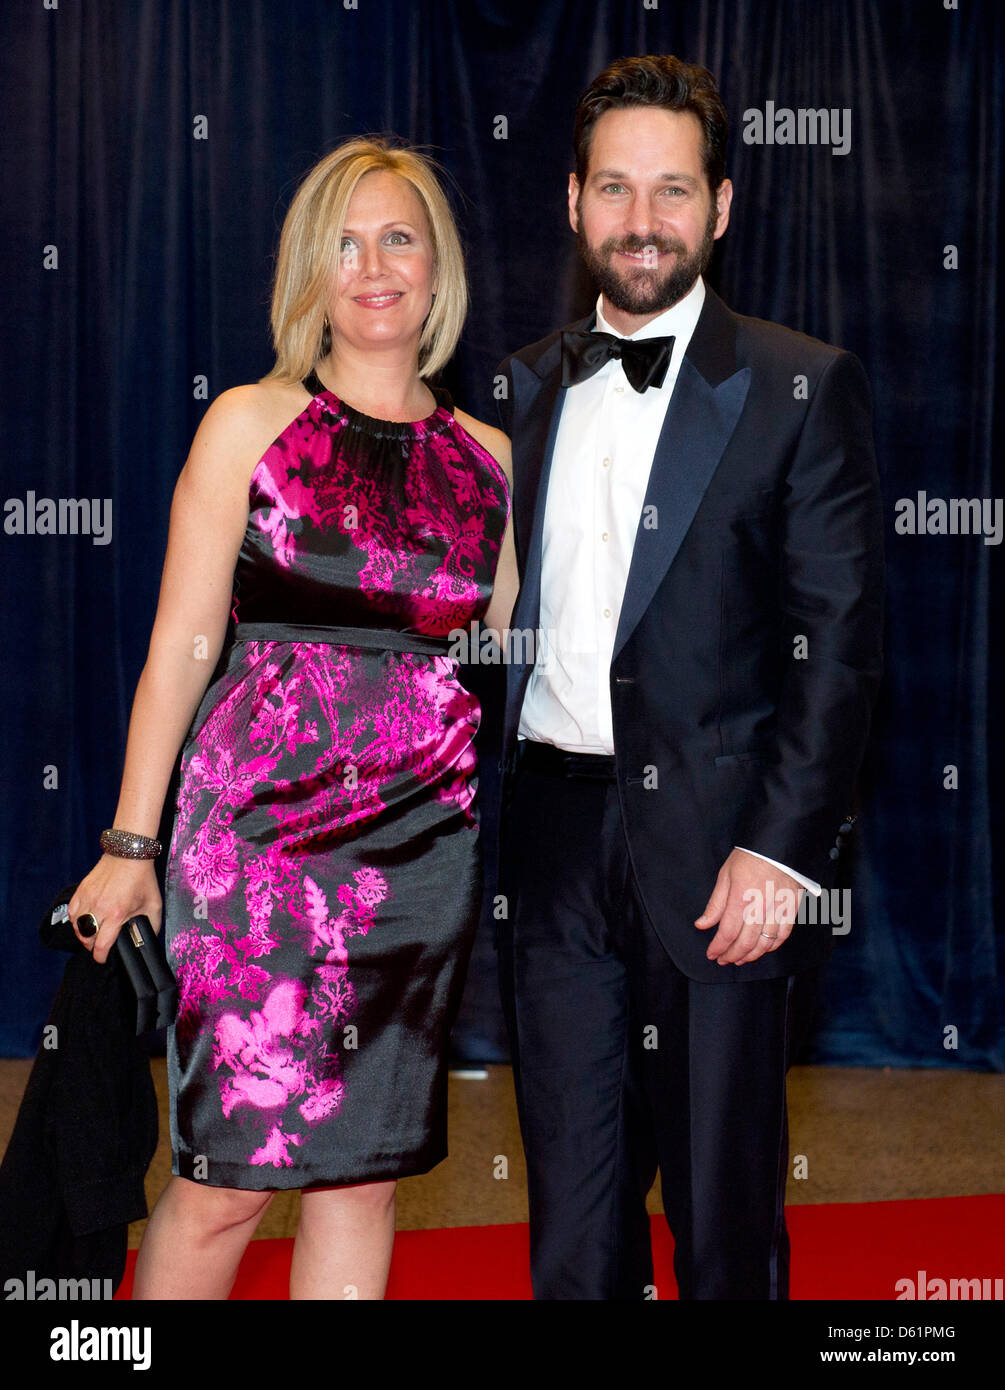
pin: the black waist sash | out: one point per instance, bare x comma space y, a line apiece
382, 639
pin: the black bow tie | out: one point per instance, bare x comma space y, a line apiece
645, 360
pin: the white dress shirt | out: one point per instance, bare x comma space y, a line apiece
606, 441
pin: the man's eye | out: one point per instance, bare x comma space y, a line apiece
614, 188
676, 188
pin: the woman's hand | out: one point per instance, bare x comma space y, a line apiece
115, 890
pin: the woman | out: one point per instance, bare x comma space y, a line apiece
323, 875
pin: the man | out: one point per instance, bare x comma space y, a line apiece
699, 537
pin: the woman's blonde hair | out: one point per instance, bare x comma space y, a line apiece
309, 247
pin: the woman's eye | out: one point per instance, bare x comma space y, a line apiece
402, 238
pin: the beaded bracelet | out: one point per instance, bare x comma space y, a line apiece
124, 844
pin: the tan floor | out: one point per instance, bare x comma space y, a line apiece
865, 1135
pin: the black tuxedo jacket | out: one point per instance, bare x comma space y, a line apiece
749, 647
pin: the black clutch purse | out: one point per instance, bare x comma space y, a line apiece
138, 952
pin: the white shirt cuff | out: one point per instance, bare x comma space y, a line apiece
807, 883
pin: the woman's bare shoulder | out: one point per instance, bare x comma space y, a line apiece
241, 423
494, 440
260, 405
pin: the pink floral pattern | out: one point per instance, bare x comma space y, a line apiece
311, 770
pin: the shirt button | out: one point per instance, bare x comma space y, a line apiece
607, 463
607, 612
604, 536
618, 390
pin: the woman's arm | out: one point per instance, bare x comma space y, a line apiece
209, 514
507, 581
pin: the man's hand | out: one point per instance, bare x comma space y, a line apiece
754, 904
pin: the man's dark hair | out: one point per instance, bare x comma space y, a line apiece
656, 80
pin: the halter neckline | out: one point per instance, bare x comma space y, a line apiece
397, 429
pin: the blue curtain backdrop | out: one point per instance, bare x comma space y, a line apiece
157, 272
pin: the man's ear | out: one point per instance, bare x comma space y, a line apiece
723, 201
573, 200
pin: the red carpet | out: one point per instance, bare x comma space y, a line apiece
844, 1250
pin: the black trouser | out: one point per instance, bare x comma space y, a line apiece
623, 1064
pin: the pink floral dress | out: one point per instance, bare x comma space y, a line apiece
323, 880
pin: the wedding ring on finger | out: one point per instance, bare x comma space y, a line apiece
88, 925
769, 935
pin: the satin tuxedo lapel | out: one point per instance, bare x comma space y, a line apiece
537, 401
706, 404
704, 408
537, 409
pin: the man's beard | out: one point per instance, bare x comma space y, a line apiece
645, 291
